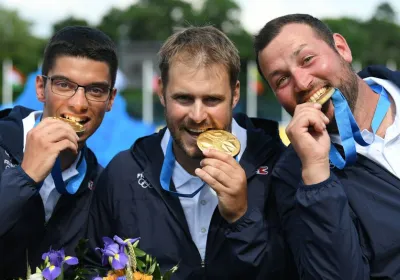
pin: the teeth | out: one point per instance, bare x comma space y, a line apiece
317, 95
197, 130
76, 119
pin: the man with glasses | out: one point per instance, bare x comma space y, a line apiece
48, 173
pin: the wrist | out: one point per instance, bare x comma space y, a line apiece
316, 173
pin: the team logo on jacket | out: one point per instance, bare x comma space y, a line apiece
90, 185
142, 181
8, 162
262, 170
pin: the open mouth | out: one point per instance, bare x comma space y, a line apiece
322, 95
195, 132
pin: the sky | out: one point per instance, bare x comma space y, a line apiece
255, 13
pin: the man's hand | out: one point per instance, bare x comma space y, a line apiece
228, 179
307, 133
43, 145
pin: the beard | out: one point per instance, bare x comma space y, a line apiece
177, 130
348, 84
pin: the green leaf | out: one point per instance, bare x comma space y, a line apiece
139, 252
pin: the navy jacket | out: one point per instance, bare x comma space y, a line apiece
347, 227
130, 202
23, 231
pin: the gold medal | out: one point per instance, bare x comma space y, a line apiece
220, 140
78, 128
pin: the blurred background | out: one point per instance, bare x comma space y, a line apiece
371, 28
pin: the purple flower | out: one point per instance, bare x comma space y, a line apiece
113, 254
97, 278
58, 258
51, 272
126, 241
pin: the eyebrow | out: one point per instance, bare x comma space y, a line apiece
182, 93
91, 84
294, 54
298, 50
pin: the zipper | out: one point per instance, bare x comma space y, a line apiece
203, 264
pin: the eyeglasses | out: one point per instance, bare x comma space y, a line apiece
93, 92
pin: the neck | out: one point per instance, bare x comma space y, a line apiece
67, 158
365, 109
188, 163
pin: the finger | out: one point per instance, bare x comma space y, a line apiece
213, 153
224, 179
310, 117
56, 131
209, 180
218, 164
302, 106
64, 145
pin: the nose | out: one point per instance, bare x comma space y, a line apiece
78, 101
198, 112
302, 79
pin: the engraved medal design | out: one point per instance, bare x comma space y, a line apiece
78, 128
220, 140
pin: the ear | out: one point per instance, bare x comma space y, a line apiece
342, 47
160, 91
236, 95
40, 88
111, 100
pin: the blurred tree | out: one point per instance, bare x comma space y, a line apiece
374, 41
155, 20
18, 44
385, 12
69, 21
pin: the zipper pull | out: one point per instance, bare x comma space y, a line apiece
203, 264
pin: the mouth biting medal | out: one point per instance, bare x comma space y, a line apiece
77, 127
220, 140
322, 97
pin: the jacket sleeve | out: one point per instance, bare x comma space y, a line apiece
247, 239
318, 227
16, 188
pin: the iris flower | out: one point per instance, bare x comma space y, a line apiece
125, 242
56, 259
113, 254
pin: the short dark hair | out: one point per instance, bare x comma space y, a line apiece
81, 41
274, 27
206, 43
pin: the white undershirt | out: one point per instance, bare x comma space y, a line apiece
384, 151
199, 209
48, 191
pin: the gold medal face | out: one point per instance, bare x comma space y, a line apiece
78, 128
220, 140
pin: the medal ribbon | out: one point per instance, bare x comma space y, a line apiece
348, 129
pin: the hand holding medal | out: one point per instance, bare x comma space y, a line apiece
223, 173
309, 137
45, 142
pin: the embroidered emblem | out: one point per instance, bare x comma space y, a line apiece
262, 170
142, 181
91, 185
